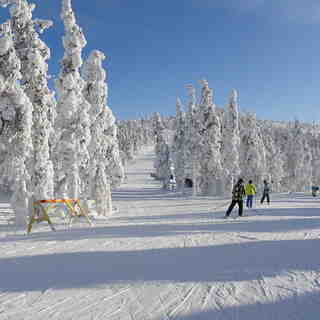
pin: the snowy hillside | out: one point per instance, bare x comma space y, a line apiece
166, 256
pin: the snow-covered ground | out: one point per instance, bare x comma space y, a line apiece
166, 256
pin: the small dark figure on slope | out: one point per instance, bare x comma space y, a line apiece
265, 192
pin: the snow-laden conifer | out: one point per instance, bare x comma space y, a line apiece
15, 127
274, 155
33, 54
299, 159
73, 121
162, 161
231, 142
193, 142
178, 147
105, 162
314, 143
252, 155
211, 170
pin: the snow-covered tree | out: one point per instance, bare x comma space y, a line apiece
193, 141
33, 54
314, 143
211, 171
105, 162
231, 142
162, 162
252, 154
178, 147
299, 158
73, 121
15, 126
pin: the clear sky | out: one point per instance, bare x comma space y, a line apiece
268, 50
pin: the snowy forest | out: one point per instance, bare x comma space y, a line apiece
214, 146
66, 143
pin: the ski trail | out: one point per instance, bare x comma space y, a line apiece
185, 298
208, 292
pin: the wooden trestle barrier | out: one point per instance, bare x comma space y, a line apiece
41, 208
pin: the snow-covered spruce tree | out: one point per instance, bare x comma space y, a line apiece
162, 161
146, 136
231, 142
211, 171
298, 160
305, 182
252, 154
274, 155
105, 162
314, 142
15, 126
33, 53
178, 147
124, 144
73, 121
193, 141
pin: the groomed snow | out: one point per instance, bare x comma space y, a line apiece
166, 256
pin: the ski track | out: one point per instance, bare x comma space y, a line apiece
152, 220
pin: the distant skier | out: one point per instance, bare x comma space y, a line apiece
314, 190
251, 190
238, 192
172, 183
265, 192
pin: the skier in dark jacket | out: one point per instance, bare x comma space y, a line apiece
265, 192
238, 192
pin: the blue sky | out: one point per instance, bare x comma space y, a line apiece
268, 50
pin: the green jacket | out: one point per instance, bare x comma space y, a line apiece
250, 189
238, 192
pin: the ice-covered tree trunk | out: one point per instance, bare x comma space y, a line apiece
33, 53
231, 143
15, 125
211, 170
73, 121
104, 148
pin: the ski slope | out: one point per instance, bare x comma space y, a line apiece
166, 256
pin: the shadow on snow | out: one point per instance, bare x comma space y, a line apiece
231, 262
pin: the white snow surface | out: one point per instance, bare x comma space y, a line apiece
166, 256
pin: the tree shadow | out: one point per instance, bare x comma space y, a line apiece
169, 226
259, 212
232, 262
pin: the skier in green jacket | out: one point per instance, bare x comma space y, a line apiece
250, 192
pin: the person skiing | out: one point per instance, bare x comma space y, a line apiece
265, 192
172, 183
238, 192
251, 190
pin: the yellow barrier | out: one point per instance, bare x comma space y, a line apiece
40, 212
